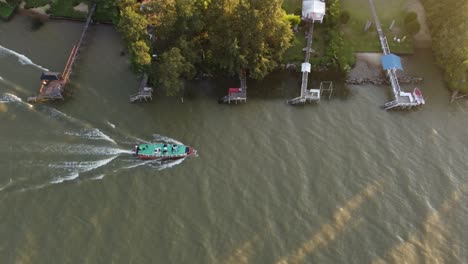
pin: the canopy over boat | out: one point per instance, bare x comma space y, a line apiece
162, 151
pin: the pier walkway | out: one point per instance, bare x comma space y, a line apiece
312, 11
391, 63
53, 84
237, 95
145, 93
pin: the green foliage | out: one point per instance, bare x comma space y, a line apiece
249, 35
410, 17
131, 24
344, 17
171, 71
336, 56
140, 53
294, 20
6, 10
447, 22
413, 27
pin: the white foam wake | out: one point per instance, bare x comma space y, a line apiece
77, 167
158, 138
11, 98
21, 58
82, 149
110, 124
91, 133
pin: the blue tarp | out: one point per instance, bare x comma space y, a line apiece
391, 61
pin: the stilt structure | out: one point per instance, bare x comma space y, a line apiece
237, 95
52, 83
391, 63
145, 93
312, 11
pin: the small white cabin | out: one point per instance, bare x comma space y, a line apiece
313, 10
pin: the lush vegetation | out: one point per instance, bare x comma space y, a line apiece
7, 8
449, 28
358, 40
190, 38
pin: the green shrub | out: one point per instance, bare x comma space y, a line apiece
294, 20
344, 17
413, 27
410, 17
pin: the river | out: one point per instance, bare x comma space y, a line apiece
339, 182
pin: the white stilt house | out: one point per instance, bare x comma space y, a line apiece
313, 10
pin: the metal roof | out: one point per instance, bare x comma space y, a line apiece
391, 61
313, 9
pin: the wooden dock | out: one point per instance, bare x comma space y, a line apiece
402, 100
144, 94
237, 95
53, 85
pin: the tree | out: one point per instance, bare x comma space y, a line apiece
140, 53
251, 34
344, 17
132, 25
448, 23
413, 27
171, 71
294, 20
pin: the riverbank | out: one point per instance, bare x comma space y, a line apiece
338, 182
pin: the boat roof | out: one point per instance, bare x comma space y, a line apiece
391, 61
150, 149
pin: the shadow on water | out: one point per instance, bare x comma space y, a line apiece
281, 84
429, 244
343, 219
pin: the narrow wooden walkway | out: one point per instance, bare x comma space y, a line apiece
53, 84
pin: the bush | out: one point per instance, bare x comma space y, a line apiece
410, 17
294, 20
413, 27
344, 17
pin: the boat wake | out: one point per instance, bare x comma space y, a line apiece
21, 58
8, 98
91, 133
75, 168
160, 138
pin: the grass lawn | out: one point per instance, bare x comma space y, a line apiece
295, 53
292, 6
360, 12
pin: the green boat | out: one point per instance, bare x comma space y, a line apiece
162, 151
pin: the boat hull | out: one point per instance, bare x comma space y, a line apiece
189, 151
